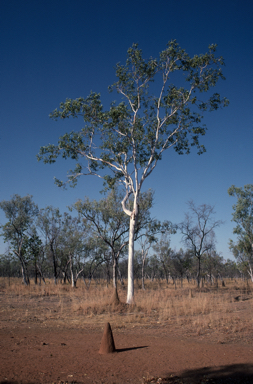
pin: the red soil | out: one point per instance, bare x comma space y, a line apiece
34, 354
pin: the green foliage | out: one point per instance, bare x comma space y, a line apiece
243, 217
123, 145
108, 221
182, 262
20, 213
32, 246
213, 263
163, 254
243, 209
132, 135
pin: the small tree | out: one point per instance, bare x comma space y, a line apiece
94, 255
145, 243
20, 213
125, 143
243, 217
163, 253
213, 265
73, 238
110, 224
9, 265
153, 266
35, 251
231, 269
198, 231
182, 262
52, 224
149, 238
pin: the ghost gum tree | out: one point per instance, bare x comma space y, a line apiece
243, 217
125, 143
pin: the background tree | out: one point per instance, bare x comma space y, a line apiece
20, 213
9, 265
243, 217
125, 143
34, 250
231, 269
151, 231
153, 267
94, 254
52, 225
163, 253
145, 245
198, 231
181, 262
111, 225
108, 222
213, 265
72, 242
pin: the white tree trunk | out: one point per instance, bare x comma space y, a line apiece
250, 272
130, 280
73, 283
133, 220
24, 275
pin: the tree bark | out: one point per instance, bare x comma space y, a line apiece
35, 273
73, 282
130, 275
114, 271
198, 277
120, 277
25, 274
41, 275
23, 268
133, 220
142, 275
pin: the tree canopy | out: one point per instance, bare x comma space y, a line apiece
20, 213
136, 131
124, 143
243, 217
198, 231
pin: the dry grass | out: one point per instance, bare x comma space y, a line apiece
225, 309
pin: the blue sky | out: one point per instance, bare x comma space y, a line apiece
53, 50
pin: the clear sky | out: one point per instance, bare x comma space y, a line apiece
52, 50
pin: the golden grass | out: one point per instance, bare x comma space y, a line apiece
200, 311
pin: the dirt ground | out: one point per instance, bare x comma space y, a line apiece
52, 347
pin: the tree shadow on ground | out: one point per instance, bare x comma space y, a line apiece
227, 374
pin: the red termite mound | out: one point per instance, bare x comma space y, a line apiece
107, 342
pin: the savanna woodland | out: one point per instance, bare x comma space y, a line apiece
110, 259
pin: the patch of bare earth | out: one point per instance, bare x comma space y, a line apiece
53, 335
